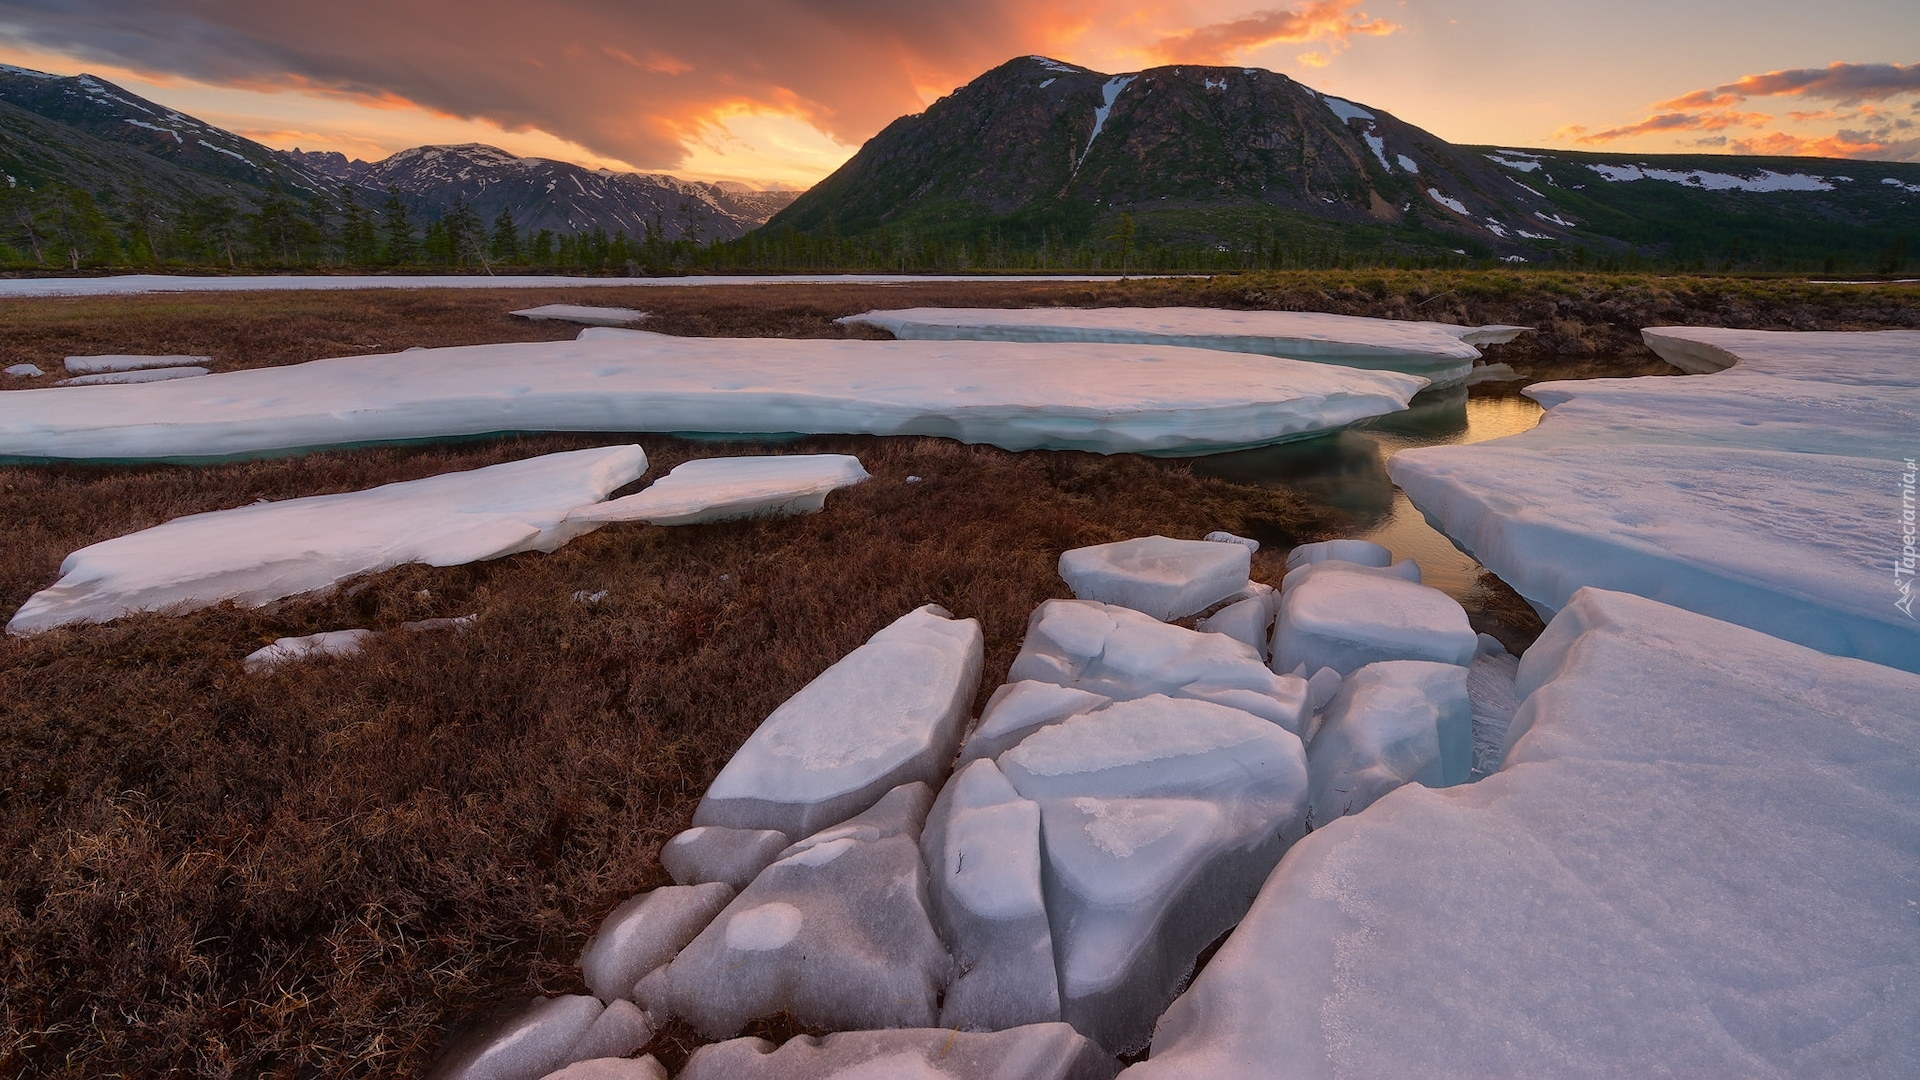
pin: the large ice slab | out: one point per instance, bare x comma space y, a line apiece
710, 853
835, 933
1109, 399
582, 314
1164, 577
890, 712
87, 365
1036, 1052
1017, 709
1437, 351
1160, 818
1391, 723
1344, 616
723, 489
255, 554
982, 849
1699, 860
1121, 654
521, 1043
1769, 494
144, 375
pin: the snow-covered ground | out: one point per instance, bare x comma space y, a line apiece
259, 553
1152, 399
1440, 352
1699, 861
125, 284
1769, 494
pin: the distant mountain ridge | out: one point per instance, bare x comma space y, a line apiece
1197, 155
137, 158
557, 195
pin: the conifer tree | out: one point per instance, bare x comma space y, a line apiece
401, 246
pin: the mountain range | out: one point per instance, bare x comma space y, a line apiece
135, 156
1189, 165
1040, 150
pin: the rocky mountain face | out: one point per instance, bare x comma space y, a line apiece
1204, 155
545, 194
89, 133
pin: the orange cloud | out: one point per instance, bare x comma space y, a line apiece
1842, 82
1317, 20
1781, 144
1675, 121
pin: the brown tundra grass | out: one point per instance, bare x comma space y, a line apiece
319, 871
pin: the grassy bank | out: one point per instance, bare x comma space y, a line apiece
317, 872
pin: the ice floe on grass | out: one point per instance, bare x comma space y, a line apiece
87, 365
143, 375
1158, 575
889, 713
582, 314
333, 643
252, 555
1138, 398
24, 371
1438, 351
1768, 494
723, 489
1699, 860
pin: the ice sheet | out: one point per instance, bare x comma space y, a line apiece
1769, 494
1153, 399
256, 554
723, 489
578, 313
144, 375
87, 365
1344, 616
1436, 351
1699, 860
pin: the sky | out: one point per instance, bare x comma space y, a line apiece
779, 93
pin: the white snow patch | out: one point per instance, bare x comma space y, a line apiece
224, 150
1449, 202
1554, 219
335, 643
256, 554
1767, 180
1344, 109
1407, 163
1513, 162
156, 127
1109, 94
1903, 186
1379, 147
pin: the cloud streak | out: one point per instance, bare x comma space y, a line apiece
1852, 90
1331, 21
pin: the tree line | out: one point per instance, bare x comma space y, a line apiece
62, 227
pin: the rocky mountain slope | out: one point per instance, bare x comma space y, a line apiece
1040, 149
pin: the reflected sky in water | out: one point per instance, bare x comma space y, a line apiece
1347, 471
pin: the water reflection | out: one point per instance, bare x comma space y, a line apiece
1347, 471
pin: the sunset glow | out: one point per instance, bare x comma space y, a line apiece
779, 93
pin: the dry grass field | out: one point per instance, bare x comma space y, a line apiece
317, 872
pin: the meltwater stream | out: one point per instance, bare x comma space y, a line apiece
1347, 471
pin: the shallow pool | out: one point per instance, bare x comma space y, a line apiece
1347, 471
